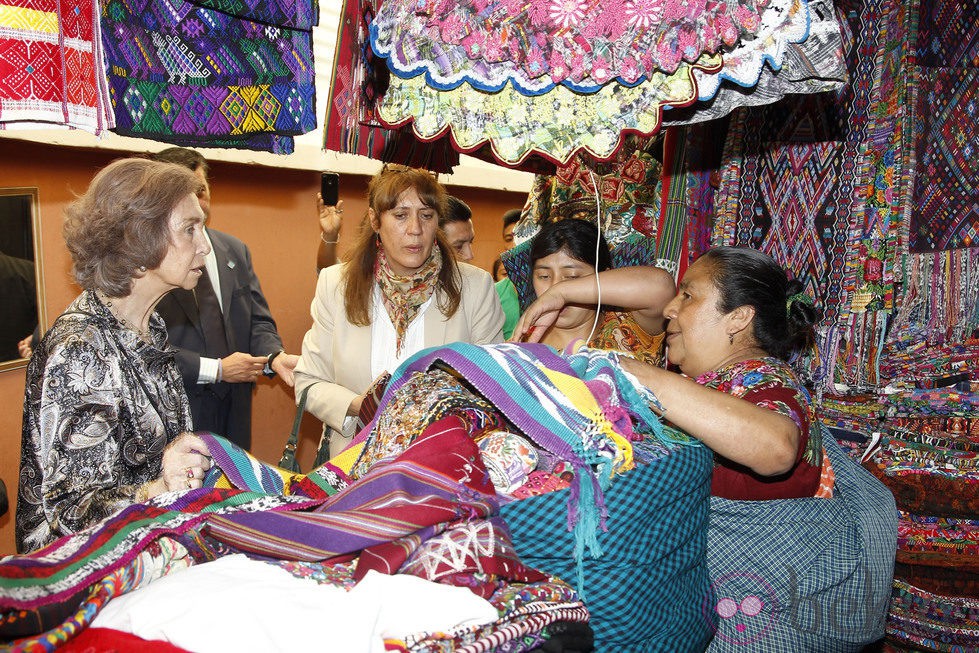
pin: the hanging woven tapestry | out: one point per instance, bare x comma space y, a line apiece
358, 80
193, 76
944, 213
51, 67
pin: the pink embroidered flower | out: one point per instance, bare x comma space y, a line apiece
512, 7
473, 43
629, 69
601, 72
591, 29
568, 13
559, 71
748, 19
688, 43
452, 29
673, 10
492, 48
612, 18
538, 12
693, 10
668, 55
577, 64
644, 14
648, 65
727, 29
535, 65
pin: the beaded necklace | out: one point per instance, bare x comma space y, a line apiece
144, 335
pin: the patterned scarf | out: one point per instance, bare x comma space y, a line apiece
403, 296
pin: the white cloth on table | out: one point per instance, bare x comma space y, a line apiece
239, 604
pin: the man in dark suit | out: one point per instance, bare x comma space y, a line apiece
222, 331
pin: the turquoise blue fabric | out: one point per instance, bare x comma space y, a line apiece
647, 590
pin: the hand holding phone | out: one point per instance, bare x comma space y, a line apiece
330, 188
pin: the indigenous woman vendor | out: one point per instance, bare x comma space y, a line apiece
734, 323
399, 290
564, 258
106, 419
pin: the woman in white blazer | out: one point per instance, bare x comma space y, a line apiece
399, 291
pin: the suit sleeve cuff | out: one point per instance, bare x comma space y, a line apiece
209, 370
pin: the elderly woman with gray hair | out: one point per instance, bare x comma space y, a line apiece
106, 419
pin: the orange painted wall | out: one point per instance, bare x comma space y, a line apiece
272, 210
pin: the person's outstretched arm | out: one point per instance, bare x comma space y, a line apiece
643, 290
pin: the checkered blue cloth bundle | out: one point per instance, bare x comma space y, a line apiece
647, 590
797, 575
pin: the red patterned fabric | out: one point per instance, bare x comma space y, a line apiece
51, 67
107, 640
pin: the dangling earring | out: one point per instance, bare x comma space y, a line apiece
377, 240
730, 338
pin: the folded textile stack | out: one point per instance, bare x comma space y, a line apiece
210, 73
931, 465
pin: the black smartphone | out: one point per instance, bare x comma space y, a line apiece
330, 188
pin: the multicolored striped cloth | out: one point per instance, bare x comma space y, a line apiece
546, 397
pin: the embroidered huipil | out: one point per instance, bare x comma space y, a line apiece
100, 405
769, 383
619, 331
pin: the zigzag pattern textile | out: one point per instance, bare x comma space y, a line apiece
189, 75
819, 183
51, 66
944, 214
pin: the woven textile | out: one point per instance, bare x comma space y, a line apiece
295, 14
624, 195
821, 580
646, 591
944, 214
798, 50
350, 124
51, 65
535, 46
194, 76
821, 182
933, 622
784, 199
60, 570
554, 126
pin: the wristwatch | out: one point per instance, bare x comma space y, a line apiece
267, 371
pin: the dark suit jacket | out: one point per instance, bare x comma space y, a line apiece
248, 325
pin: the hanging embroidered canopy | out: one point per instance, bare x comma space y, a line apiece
192, 75
549, 80
51, 66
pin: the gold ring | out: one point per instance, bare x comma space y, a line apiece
190, 472
190, 484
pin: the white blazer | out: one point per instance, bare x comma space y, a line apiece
336, 357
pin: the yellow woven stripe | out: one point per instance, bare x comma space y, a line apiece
582, 398
345, 459
28, 19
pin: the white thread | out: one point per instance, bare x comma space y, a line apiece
598, 243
